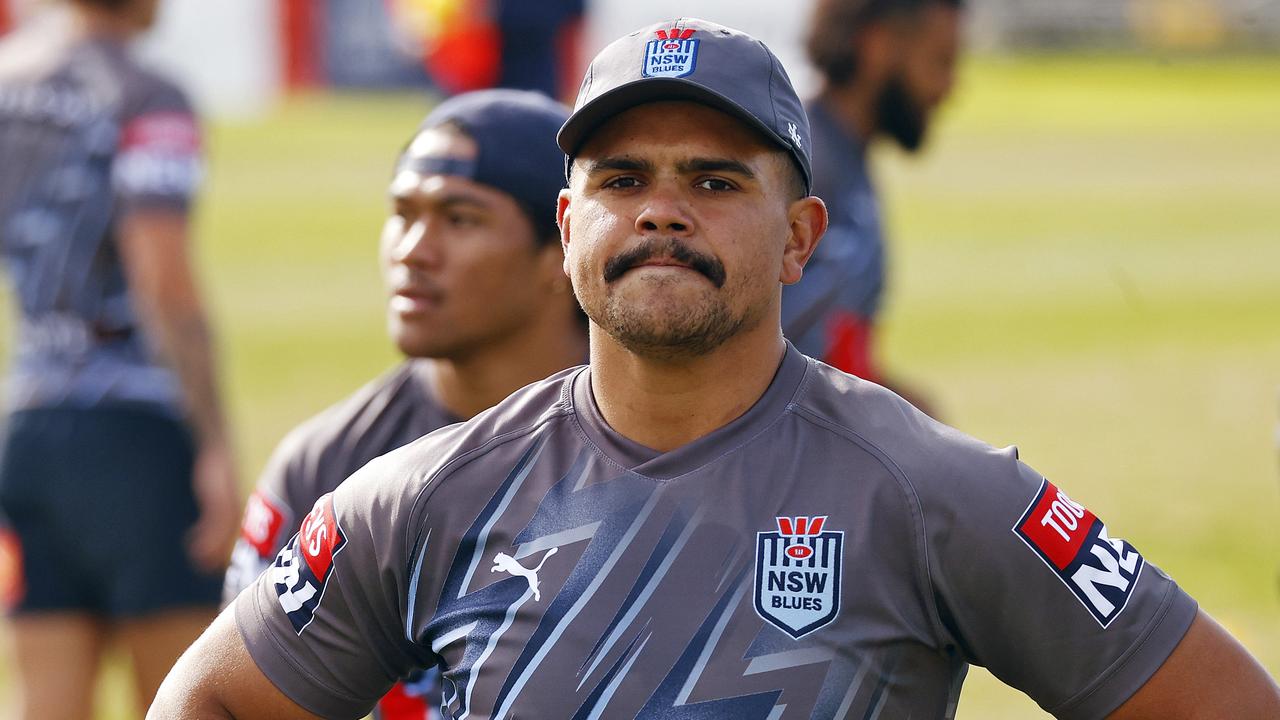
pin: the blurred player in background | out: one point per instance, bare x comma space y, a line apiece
475, 44
886, 66
478, 303
117, 480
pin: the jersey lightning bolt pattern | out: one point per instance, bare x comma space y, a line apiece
833, 553
311, 462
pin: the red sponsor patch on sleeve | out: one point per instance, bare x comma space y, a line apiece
262, 523
1056, 525
173, 132
319, 538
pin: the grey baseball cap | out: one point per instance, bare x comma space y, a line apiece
698, 61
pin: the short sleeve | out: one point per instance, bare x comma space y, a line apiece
159, 158
325, 622
271, 513
1043, 593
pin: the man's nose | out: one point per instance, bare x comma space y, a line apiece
418, 246
665, 212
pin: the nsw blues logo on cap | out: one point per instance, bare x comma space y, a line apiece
673, 54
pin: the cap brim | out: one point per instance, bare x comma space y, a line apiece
591, 116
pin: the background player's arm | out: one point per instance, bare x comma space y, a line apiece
1209, 675
153, 245
216, 678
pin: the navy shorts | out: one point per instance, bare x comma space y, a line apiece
96, 503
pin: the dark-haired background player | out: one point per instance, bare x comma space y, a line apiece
477, 302
886, 66
117, 481
704, 522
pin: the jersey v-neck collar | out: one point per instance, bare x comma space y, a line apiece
687, 458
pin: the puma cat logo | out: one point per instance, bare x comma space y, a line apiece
508, 564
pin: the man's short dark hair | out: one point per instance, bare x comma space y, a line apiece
836, 22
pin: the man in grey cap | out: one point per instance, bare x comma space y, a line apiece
704, 522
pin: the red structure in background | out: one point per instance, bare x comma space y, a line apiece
301, 27
6, 17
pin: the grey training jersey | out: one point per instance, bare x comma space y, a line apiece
86, 137
833, 553
319, 454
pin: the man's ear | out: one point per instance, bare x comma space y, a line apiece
562, 221
808, 221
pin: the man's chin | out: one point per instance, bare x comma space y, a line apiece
677, 330
419, 344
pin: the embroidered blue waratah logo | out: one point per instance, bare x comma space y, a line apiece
798, 572
673, 54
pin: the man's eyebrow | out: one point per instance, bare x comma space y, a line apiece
451, 200
715, 165
614, 164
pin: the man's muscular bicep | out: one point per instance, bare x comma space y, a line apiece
1208, 675
216, 678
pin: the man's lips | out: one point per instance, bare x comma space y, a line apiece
414, 300
661, 262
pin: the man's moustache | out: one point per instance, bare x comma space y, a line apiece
672, 248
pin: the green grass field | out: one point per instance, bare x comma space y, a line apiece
1086, 264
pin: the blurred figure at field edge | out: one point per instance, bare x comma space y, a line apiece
117, 483
886, 66
478, 304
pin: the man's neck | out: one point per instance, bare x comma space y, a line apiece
853, 107
664, 405
99, 22
464, 386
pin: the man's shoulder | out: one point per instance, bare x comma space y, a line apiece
926, 454
354, 416
518, 416
498, 436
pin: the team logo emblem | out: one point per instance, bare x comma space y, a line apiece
794, 132
303, 567
1101, 571
673, 54
798, 569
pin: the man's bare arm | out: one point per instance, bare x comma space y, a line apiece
154, 249
216, 678
1209, 675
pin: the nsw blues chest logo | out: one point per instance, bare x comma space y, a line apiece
798, 572
673, 54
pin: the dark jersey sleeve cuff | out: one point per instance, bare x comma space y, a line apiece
1128, 674
284, 671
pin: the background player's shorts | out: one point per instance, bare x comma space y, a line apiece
97, 503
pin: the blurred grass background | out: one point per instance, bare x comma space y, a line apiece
1086, 262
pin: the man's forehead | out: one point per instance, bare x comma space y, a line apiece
436, 161
442, 141
674, 128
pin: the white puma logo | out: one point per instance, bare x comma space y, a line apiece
508, 564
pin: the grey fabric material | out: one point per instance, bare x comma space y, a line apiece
554, 569
314, 458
